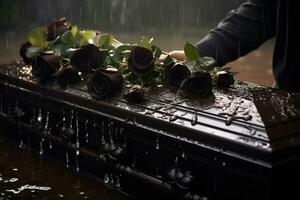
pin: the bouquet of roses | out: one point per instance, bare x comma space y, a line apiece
63, 54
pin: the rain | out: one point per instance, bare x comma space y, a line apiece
171, 23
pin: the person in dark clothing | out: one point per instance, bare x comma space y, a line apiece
247, 27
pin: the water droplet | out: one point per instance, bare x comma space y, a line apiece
41, 147
21, 143
173, 118
77, 129
194, 119
176, 161
47, 121
67, 159
157, 144
183, 156
39, 118
106, 178
111, 179
86, 124
71, 118
76, 161
50, 145
118, 181
252, 132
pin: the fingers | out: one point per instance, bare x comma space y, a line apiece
177, 54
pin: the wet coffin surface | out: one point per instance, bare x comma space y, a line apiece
238, 122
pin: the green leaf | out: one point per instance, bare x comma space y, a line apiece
60, 49
67, 39
191, 52
88, 35
105, 41
157, 51
74, 31
168, 60
146, 42
121, 52
38, 37
207, 63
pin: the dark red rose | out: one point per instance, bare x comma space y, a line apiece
44, 66
198, 85
104, 83
23, 49
57, 28
175, 74
134, 94
68, 76
141, 61
87, 58
224, 79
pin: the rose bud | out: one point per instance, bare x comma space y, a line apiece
223, 79
105, 83
87, 58
24, 48
67, 76
198, 84
57, 28
141, 61
134, 94
175, 74
44, 66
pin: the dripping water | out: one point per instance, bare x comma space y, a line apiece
117, 182
67, 159
194, 119
157, 144
106, 178
86, 124
77, 135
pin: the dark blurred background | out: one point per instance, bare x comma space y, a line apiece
170, 22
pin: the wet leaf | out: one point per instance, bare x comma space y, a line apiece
88, 35
191, 52
105, 41
74, 31
146, 42
60, 49
156, 51
168, 60
207, 63
38, 37
67, 39
122, 52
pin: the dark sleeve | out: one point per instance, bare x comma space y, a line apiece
242, 31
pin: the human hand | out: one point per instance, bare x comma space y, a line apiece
176, 54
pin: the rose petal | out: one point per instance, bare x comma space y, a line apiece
199, 85
58, 28
87, 58
224, 79
141, 61
44, 66
176, 74
104, 83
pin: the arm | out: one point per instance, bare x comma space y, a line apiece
242, 31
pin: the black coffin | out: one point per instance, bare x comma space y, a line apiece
241, 143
